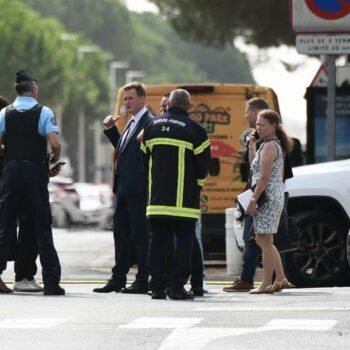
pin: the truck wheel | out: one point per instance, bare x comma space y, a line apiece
321, 259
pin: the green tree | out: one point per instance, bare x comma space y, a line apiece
33, 44
105, 22
165, 57
216, 22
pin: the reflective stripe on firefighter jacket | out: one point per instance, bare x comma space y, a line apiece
177, 156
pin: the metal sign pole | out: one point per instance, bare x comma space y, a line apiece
331, 107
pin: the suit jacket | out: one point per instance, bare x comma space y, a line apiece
131, 177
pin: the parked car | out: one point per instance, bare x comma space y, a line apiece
64, 202
96, 203
320, 203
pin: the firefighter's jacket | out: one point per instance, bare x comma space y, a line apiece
177, 157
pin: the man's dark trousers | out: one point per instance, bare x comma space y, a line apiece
130, 227
162, 237
27, 249
26, 182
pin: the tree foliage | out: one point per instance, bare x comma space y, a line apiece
66, 82
166, 58
216, 22
33, 44
106, 22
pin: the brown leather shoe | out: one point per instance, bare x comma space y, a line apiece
4, 288
239, 286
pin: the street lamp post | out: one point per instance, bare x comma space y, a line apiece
132, 74
113, 66
82, 50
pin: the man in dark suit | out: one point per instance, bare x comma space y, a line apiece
130, 188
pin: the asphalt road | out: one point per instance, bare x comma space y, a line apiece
293, 319
88, 255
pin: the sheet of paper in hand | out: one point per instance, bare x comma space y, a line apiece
243, 201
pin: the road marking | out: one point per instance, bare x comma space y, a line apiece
162, 322
301, 324
197, 338
272, 308
31, 322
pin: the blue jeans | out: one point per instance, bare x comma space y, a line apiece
197, 274
250, 254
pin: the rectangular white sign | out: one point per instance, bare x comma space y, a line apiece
323, 44
312, 16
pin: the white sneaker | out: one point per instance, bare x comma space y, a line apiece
27, 286
205, 288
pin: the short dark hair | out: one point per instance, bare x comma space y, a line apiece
139, 87
24, 86
257, 103
3, 102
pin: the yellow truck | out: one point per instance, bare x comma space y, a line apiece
220, 108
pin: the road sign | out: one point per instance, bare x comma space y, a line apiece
318, 44
320, 16
321, 77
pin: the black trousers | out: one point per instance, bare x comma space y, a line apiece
131, 233
26, 250
161, 243
197, 265
25, 186
197, 270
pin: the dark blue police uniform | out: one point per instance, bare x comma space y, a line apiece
25, 179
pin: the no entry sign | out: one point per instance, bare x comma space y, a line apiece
320, 16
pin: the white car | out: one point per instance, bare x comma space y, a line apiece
64, 202
96, 203
320, 202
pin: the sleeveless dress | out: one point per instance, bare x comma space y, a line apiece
268, 215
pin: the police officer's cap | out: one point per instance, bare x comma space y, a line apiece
21, 76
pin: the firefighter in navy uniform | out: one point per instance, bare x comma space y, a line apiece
177, 156
25, 128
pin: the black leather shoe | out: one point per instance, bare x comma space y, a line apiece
54, 290
197, 291
158, 294
111, 286
3, 287
180, 294
136, 288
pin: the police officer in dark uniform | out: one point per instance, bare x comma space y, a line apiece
177, 155
24, 247
25, 128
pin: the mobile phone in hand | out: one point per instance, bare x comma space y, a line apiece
57, 166
255, 134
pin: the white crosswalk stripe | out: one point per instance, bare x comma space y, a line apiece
185, 335
31, 322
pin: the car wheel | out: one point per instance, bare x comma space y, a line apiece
321, 258
66, 222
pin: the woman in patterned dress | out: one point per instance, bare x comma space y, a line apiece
267, 174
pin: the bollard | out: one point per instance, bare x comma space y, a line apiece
234, 242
